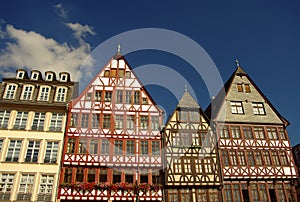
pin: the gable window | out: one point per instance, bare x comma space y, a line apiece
121, 73
21, 119
106, 73
194, 116
127, 74
56, 122
4, 118
144, 101
108, 96
51, 152
10, 91
61, 93
113, 72
13, 152
6, 185
137, 97
154, 123
97, 95
239, 87
44, 93
247, 88
236, 107
33, 149
258, 108
27, 92
38, 121
183, 116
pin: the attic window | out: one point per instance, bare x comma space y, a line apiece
49, 77
34, 76
247, 88
236, 107
106, 73
239, 87
258, 108
63, 77
20, 75
128, 75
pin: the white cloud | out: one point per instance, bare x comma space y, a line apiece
31, 50
60, 11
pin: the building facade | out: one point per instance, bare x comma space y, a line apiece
255, 151
296, 152
112, 142
191, 164
32, 123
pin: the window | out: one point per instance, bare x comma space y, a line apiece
127, 96
68, 175
71, 146
194, 116
108, 96
51, 152
144, 147
155, 177
247, 132
104, 146
233, 158
121, 73
137, 97
119, 123
283, 158
27, 92
129, 177
10, 91
247, 88
26, 187
33, 149
74, 120
106, 121
144, 122
113, 72
144, 101
236, 192
155, 148
272, 133
56, 122
258, 108
173, 195
45, 188
49, 77
281, 132
250, 158
235, 131
130, 148
241, 157
239, 87
119, 96
79, 174
20, 75
185, 195
275, 158
106, 73
118, 149
84, 120
13, 150
64, 77
236, 107
88, 96
254, 192
1, 144
263, 192
93, 149
21, 119
6, 184
127, 74
258, 158
267, 159
97, 96
183, 116
82, 145
225, 158
95, 120
4, 117
61, 93
116, 176
154, 123
103, 175
91, 175
259, 133
224, 132
196, 140
144, 177
38, 121
130, 122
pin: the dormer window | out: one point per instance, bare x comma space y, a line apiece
61, 93
64, 77
34, 76
10, 91
49, 77
20, 75
27, 92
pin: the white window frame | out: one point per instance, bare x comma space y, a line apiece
61, 94
44, 93
6, 185
38, 121
51, 153
45, 188
27, 92
154, 123
258, 108
236, 107
34, 76
21, 121
4, 119
26, 187
64, 77
130, 122
13, 151
119, 121
10, 91
56, 122
49, 77
20, 74
32, 152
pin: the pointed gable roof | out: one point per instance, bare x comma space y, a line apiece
217, 103
187, 101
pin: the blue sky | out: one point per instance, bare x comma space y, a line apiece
263, 35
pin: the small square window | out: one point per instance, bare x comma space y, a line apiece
49, 77
106, 73
34, 76
239, 87
63, 77
20, 75
128, 74
247, 88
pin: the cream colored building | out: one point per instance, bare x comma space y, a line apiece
33, 113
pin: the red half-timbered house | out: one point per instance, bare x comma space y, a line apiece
191, 163
256, 154
112, 142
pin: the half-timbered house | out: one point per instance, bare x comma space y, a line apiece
112, 142
255, 151
191, 165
